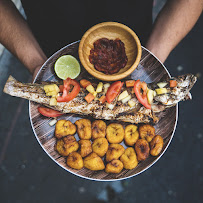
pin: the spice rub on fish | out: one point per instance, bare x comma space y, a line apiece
118, 109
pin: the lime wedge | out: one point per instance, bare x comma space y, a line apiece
67, 66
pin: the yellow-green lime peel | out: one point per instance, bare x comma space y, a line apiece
67, 66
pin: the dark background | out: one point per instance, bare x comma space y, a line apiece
28, 174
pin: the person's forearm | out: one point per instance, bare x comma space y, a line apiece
173, 23
16, 36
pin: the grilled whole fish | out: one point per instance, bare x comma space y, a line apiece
121, 112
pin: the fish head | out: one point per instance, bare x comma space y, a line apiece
178, 93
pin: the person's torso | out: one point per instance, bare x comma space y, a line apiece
58, 23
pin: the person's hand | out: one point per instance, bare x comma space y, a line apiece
36, 70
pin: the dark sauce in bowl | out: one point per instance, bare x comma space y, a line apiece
108, 56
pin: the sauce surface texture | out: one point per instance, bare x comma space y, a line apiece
108, 56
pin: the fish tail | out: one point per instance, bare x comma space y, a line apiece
9, 86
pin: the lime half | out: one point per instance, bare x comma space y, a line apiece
67, 66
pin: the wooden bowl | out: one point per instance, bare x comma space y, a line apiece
111, 30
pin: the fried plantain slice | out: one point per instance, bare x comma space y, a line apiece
131, 135
114, 152
156, 145
85, 147
93, 162
74, 160
64, 128
84, 129
142, 149
115, 133
115, 166
98, 129
147, 132
66, 145
100, 146
129, 158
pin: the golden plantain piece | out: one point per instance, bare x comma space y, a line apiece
129, 158
131, 135
85, 147
94, 162
64, 128
147, 132
142, 149
114, 152
115, 133
74, 160
84, 129
66, 145
156, 145
100, 146
115, 166
98, 129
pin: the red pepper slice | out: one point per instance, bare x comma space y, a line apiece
84, 83
49, 112
113, 91
141, 96
102, 99
89, 97
68, 96
129, 83
173, 83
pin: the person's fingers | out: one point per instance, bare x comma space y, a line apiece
35, 72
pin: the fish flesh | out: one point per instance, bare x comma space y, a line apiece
121, 111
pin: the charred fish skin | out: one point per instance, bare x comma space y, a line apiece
121, 112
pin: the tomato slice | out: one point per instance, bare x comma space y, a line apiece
113, 91
49, 112
68, 96
141, 96
61, 88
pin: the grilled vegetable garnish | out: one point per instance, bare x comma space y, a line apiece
66, 145
68, 96
84, 83
74, 160
49, 112
131, 135
156, 145
51, 90
115, 133
85, 147
129, 158
114, 152
64, 128
115, 166
98, 109
142, 149
113, 91
147, 132
84, 129
98, 129
100, 146
93, 162
179, 91
140, 89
